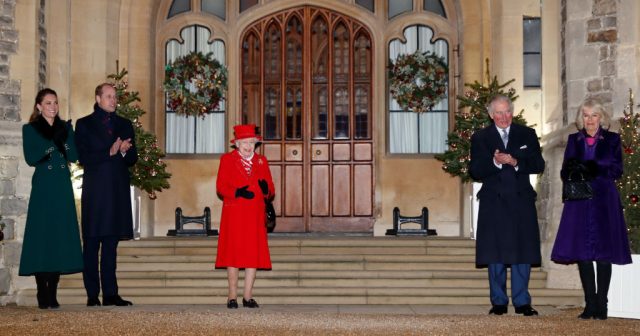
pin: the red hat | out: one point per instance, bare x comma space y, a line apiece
244, 132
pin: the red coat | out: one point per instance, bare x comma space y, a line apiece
243, 236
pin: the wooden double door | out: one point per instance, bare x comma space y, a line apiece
306, 80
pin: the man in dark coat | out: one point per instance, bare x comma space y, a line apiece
503, 155
106, 150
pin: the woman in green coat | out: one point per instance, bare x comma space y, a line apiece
51, 237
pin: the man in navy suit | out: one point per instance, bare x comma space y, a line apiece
106, 149
503, 155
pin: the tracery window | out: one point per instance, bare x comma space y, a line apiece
195, 135
411, 132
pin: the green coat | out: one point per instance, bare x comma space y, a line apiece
51, 235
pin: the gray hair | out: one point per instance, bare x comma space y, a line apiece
597, 108
499, 98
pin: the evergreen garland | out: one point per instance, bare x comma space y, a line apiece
195, 84
418, 81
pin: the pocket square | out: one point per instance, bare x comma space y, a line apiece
523, 147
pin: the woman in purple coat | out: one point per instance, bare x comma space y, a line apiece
593, 229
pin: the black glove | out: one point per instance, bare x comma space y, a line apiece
243, 192
264, 187
591, 169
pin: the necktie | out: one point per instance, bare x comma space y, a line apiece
505, 137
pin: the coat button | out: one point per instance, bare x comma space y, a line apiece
62, 166
50, 167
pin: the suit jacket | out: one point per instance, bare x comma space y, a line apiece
508, 230
106, 201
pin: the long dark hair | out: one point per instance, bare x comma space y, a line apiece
39, 98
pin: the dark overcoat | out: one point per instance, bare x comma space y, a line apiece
508, 230
106, 200
594, 229
51, 235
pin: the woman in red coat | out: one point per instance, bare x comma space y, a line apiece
244, 182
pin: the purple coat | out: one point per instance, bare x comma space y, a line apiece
594, 229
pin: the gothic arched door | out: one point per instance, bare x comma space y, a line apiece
306, 80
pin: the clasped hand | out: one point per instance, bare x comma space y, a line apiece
120, 145
244, 192
504, 158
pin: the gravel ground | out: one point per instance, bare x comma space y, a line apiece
200, 321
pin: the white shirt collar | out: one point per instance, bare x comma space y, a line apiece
508, 129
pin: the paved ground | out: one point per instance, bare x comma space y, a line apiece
302, 320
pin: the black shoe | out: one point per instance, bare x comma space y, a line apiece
232, 304
250, 304
115, 300
498, 310
526, 310
53, 304
587, 314
600, 314
93, 302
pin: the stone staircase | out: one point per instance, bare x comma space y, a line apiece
310, 270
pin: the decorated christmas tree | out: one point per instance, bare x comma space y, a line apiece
149, 173
472, 116
629, 184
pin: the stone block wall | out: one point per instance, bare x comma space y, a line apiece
12, 207
15, 174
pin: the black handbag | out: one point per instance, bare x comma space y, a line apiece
270, 218
575, 189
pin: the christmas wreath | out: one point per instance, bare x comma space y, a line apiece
195, 84
418, 81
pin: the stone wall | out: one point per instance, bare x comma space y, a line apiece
590, 43
12, 207
600, 39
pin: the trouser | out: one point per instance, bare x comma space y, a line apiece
106, 276
519, 284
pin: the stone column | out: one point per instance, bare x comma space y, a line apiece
18, 53
12, 207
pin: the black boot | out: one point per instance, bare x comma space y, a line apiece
604, 279
587, 278
52, 285
42, 294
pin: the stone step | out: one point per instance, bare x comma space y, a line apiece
283, 241
310, 270
324, 246
324, 250
317, 295
330, 274
283, 258
303, 282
